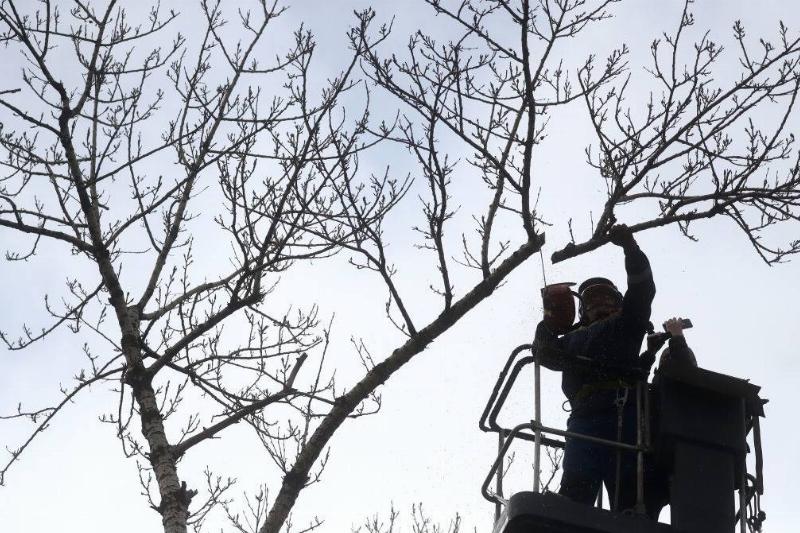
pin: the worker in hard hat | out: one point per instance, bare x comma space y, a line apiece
612, 327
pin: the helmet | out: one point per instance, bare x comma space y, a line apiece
593, 289
684, 358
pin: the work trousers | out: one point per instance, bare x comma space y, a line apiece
587, 465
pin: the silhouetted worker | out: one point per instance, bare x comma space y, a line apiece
677, 354
611, 333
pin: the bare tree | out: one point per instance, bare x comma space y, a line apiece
285, 168
107, 146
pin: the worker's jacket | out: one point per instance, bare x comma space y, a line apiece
615, 341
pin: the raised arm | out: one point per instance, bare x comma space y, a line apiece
641, 288
679, 352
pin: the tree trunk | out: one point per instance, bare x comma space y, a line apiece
174, 506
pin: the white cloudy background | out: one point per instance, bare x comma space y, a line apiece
424, 445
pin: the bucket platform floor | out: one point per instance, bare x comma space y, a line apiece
530, 512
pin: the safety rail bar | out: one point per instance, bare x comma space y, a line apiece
488, 420
500, 392
500, 379
539, 428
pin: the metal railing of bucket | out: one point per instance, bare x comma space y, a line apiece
538, 435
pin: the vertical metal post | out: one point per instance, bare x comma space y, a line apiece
499, 478
743, 502
537, 431
640, 422
743, 482
647, 429
759, 455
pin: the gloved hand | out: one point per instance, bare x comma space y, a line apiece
621, 235
674, 326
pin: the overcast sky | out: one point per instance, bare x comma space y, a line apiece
424, 445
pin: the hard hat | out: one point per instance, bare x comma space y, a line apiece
594, 289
